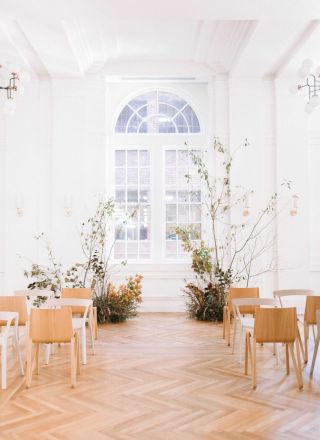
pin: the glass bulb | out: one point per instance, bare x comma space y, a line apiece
9, 107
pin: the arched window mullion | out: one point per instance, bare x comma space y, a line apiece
130, 118
154, 99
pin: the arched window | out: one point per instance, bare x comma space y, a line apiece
150, 176
157, 112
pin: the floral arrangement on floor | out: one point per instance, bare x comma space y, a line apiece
232, 253
117, 304
114, 304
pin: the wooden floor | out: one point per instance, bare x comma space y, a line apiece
162, 377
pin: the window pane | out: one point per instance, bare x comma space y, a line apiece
120, 195
170, 158
132, 176
132, 195
144, 196
132, 158
132, 217
120, 176
171, 232
195, 213
171, 213
120, 158
187, 207
183, 213
144, 158
170, 196
171, 176
144, 176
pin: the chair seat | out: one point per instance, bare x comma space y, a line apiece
247, 322
77, 323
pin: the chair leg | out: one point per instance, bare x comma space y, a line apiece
224, 319
228, 327
78, 353
306, 337
254, 364
47, 355
4, 364
295, 365
17, 346
247, 342
37, 359
29, 363
235, 328
95, 322
315, 352
83, 344
92, 330
287, 360
73, 362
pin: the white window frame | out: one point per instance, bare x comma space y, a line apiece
156, 143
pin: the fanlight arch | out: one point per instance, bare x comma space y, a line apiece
157, 112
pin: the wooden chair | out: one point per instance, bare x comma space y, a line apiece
78, 323
8, 319
228, 311
312, 305
317, 341
274, 326
49, 326
292, 296
16, 304
83, 293
244, 322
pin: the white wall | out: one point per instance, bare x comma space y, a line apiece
56, 147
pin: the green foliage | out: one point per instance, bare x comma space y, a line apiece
93, 272
232, 252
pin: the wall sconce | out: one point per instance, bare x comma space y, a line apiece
19, 206
68, 206
246, 209
294, 207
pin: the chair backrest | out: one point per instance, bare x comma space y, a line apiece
275, 325
6, 320
238, 303
15, 304
76, 293
83, 304
280, 294
312, 305
243, 292
51, 325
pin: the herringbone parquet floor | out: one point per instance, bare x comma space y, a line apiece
163, 377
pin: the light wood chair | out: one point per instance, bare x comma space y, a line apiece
16, 304
317, 341
310, 319
78, 323
228, 311
49, 326
274, 326
291, 296
244, 322
7, 320
83, 293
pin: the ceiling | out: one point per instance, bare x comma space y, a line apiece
193, 38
